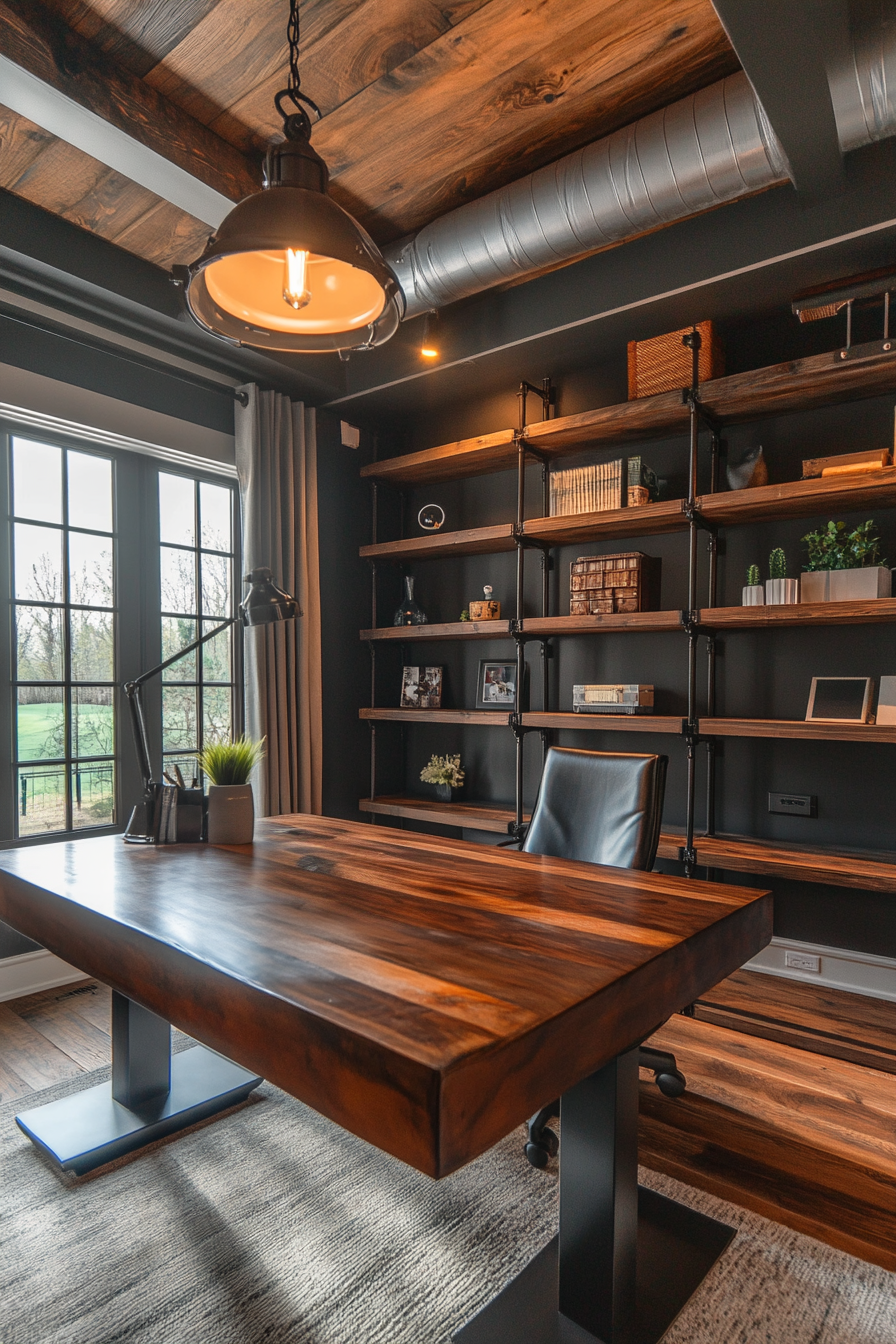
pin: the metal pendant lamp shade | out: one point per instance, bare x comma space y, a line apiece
289, 269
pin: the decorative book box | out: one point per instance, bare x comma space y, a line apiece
663, 363
600, 585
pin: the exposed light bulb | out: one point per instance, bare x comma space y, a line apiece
295, 291
429, 346
428, 352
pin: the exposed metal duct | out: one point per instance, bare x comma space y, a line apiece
712, 147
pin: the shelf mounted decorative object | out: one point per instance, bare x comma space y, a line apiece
779, 590
753, 593
409, 613
264, 604
487, 610
844, 566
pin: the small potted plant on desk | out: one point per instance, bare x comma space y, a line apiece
446, 774
844, 566
231, 810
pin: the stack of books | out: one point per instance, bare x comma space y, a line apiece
586, 489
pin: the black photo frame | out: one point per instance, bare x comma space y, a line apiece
496, 685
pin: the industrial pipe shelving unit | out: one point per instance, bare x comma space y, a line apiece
856, 372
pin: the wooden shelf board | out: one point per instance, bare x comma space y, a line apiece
449, 461
645, 521
879, 609
493, 817
800, 499
631, 723
797, 728
793, 386
628, 622
448, 630
870, 871
483, 718
439, 545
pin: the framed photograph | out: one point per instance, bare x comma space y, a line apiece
421, 688
496, 686
839, 700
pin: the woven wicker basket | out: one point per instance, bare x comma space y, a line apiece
663, 363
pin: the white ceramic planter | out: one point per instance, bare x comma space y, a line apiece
782, 592
846, 585
752, 595
231, 814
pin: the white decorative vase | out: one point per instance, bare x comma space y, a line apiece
752, 595
781, 592
231, 814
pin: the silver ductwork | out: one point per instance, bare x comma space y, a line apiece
712, 147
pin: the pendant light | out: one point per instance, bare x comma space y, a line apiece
289, 269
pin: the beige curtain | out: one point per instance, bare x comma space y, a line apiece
276, 459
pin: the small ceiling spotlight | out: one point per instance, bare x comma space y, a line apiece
429, 346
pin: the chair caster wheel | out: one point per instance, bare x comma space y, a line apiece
671, 1084
540, 1151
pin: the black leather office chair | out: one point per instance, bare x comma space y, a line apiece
599, 807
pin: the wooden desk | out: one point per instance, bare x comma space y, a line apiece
426, 994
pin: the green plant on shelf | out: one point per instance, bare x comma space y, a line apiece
231, 762
777, 564
465, 615
753, 579
833, 547
443, 770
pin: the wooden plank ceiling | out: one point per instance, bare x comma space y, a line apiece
425, 104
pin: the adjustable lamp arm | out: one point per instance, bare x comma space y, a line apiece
133, 689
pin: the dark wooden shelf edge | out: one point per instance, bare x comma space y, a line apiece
472, 816
483, 718
798, 729
446, 630
872, 611
606, 723
866, 870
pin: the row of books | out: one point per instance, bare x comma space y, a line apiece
586, 489
596, 488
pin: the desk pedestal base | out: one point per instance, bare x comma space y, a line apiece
676, 1249
626, 1260
91, 1128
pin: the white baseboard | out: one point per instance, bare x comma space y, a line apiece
34, 971
838, 968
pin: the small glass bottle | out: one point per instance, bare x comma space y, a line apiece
409, 613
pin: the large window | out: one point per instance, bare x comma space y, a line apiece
112, 563
63, 579
196, 551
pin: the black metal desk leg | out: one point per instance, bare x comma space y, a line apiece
599, 1201
152, 1094
141, 1054
626, 1259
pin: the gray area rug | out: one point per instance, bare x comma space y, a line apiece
273, 1226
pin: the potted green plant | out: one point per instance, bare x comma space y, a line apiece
779, 590
844, 566
231, 810
752, 595
446, 774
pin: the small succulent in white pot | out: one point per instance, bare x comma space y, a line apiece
753, 594
779, 590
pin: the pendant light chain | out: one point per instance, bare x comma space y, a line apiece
296, 124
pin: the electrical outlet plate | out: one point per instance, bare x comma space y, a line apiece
794, 804
802, 961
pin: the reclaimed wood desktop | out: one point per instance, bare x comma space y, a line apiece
428, 995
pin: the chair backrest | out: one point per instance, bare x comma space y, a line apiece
600, 807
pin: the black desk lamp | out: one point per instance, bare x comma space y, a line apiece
264, 604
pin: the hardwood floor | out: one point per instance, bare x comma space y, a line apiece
790, 1108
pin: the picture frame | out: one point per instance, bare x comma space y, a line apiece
839, 700
496, 685
421, 688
